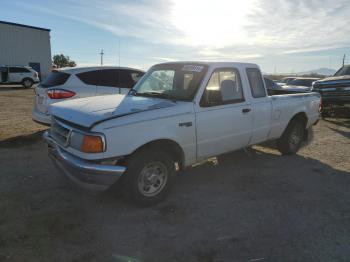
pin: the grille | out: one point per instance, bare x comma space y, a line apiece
60, 133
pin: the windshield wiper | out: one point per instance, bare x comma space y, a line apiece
153, 94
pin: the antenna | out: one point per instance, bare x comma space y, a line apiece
344, 59
101, 54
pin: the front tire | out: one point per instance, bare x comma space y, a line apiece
27, 83
292, 138
149, 177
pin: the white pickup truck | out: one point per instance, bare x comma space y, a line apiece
177, 115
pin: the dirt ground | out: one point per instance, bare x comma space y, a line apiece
257, 206
16, 104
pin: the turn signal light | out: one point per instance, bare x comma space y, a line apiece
92, 144
59, 93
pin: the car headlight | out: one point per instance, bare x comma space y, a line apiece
87, 143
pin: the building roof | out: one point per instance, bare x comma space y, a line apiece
27, 26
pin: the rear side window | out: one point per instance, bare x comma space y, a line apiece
111, 77
136, 76
256, 83
129, 78
56, 78
19, 70
105, 77
91, 77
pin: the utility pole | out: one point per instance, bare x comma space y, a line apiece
119, 52
344, 59
101, 54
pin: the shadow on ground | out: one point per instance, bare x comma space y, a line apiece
253, 205
21, 141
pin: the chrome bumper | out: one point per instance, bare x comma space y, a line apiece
82, 172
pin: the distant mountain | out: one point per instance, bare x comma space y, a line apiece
320, 71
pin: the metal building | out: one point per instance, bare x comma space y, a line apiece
25, 45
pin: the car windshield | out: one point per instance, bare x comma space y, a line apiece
175, 81
345, 70
302, 82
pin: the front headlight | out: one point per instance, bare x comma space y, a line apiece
87, 143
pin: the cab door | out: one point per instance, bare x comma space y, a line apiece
224, 116
261, 106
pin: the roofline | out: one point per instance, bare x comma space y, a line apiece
27, 26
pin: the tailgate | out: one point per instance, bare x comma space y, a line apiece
41, 99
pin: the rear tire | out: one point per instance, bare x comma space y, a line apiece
292, 138
149, 177
27, 83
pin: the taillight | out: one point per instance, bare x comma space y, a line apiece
59, 93
320, 106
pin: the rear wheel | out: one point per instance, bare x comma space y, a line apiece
292, 138
149, 177
27, 83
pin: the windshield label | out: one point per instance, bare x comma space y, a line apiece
193, 68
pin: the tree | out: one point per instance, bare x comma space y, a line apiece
63, 61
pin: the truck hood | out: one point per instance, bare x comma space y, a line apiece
334, 78
334, 81
87, 111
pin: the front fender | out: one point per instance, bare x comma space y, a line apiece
123, 140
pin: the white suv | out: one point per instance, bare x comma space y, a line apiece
72, 83
14, 75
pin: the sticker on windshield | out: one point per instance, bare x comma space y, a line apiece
193, 68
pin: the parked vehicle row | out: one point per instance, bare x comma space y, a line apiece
73, 83
18, 75
296, 85
178, 114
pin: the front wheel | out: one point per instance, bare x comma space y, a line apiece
149, 177
292, 138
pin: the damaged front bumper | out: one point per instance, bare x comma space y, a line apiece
84, 173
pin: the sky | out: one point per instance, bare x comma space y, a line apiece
282, 36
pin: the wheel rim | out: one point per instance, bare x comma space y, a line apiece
295, 138
27, 83
152, 179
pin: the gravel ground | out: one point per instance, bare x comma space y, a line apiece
256, 206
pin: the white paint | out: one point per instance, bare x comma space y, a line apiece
214, 130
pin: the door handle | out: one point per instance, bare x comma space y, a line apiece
246, 110
185, 124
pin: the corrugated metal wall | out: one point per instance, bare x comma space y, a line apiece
22, 45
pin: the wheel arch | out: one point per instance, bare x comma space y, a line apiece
169, 146
301, 117
27, 78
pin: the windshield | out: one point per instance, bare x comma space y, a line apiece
171, 81
345, 70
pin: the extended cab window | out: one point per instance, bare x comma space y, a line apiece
256, 83
224, 87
